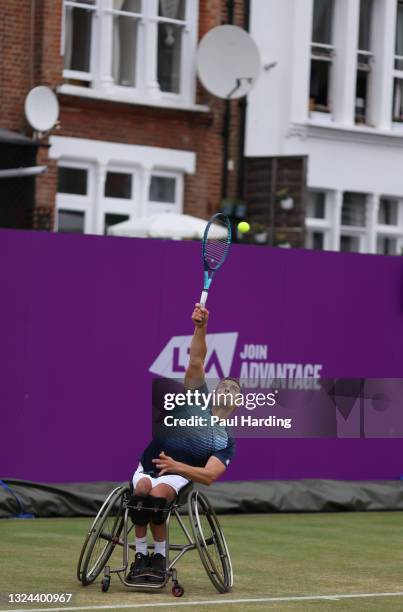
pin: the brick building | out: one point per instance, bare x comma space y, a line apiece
137, 133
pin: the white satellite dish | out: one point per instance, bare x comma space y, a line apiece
228, 62
42, 108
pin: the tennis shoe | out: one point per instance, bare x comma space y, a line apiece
157, 569
139, 566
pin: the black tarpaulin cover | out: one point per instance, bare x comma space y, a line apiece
85, 499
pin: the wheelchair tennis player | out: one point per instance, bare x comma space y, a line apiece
170, 461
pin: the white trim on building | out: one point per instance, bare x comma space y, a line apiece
102, 183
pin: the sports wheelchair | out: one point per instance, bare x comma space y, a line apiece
112, 527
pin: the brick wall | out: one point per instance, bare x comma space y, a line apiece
15, 65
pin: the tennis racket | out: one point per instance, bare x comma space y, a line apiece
215, 247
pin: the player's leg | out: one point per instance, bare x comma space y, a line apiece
142, 485
159, 531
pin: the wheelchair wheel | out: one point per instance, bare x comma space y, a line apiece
102, 537
210, 541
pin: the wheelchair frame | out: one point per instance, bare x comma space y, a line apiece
218, 566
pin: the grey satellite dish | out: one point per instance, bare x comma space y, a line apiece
42, 108
228, 62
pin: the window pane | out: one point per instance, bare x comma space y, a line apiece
387, 212
129, 6
169, 57
317, 205
72, 180
364, 37
399, 29
78, 32
361, 96
118, 185
318, 241
386, 246
354, 209
172, 9
315, 240
111, 219
349, 244
124, 50
163, 189
70, 221
319, 87
397, 112
322, 21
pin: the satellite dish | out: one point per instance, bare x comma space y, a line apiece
41, 108
228, 62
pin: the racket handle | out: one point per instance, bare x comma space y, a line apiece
203, 298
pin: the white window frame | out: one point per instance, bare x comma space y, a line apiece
365, 66
358, 231
324, 226
99, 157
74, 202
325, 53
99, 82
396, 227
316, 114
397, 75
318, 230
367, 236
391, 231
167, 207
381, 235
119, 206
77, 74
352, 233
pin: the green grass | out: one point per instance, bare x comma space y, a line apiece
273, 555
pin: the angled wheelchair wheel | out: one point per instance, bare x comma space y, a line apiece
102, 537
210, 541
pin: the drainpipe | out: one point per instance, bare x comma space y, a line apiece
32, 45
243, 104
227, 119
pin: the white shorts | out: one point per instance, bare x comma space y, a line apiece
173, 480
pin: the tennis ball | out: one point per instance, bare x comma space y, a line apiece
243, 227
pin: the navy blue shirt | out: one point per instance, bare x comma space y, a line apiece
191, 445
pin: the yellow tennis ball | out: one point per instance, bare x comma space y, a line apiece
243, 227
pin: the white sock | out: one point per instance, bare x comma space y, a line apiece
141, 545
159, 548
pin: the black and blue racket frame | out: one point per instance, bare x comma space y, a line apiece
210, 270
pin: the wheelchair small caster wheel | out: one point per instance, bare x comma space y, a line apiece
177, 590
106, 581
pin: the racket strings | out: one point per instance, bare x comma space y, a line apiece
217, 242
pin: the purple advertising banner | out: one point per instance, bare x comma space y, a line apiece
87, 322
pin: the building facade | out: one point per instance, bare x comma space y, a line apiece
137, 132
332, 91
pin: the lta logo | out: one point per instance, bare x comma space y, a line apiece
173, 359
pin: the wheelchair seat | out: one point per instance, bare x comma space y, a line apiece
183, 494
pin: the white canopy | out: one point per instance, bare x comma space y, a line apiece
162, 225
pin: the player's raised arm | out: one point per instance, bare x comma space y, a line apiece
194, 376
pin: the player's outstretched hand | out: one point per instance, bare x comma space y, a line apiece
165, 464
200, 315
